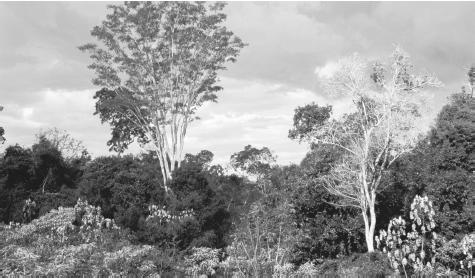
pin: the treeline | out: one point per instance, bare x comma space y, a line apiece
269, 217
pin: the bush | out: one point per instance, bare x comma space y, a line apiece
202, 261
456, 257
74, 242
373, 264
415, 249
411, 251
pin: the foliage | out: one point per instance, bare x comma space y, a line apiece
418, 250
456, 256
442, 167
260, 243
202, 261
39, 173
2, 130
157, 66
411, 251
73, 242
451, 150
373, 264
326, 231
69, 147
262, 239
253, 161
123, 187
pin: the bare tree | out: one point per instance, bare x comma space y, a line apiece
69, 147
383, 126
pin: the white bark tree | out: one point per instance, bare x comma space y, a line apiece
388, 106
157, 63
69, 147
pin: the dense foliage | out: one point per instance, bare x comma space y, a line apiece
269, 220
442, 167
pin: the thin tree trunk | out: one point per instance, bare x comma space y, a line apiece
372, 226
369, 225
370, 239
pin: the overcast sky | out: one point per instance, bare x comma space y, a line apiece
44, 80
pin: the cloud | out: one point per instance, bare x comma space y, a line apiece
39, 47
44, 80
288, 40
326, 71
248, 112
68, 110
256, 113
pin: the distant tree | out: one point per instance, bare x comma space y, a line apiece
69, 147
47, 160
471, 79
381, 128
203, 158
16, 182
159, 64
2, 130
256, 164
38, 173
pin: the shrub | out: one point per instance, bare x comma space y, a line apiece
457, 256
202, 261
413, 251
73, 242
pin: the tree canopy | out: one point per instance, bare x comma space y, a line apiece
157, 63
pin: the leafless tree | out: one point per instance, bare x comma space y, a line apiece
383, 126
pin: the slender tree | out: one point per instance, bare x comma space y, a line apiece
157, 63
381, 127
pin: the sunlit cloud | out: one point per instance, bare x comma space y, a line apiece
44, 80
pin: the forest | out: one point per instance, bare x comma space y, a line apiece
376, 195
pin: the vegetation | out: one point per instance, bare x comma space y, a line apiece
375, 195
382, 128
158, 66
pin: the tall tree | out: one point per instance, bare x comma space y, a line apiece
158, 63
382, 127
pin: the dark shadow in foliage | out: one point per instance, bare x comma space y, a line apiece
39, 173
192, 190
16, 182
442, 166
327, 230
123, 187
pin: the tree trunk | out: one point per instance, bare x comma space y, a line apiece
369, 225
372, 226
166, 176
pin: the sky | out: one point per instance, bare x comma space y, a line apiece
45, 83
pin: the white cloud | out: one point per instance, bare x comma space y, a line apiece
326, 71
273, 75
27, 112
